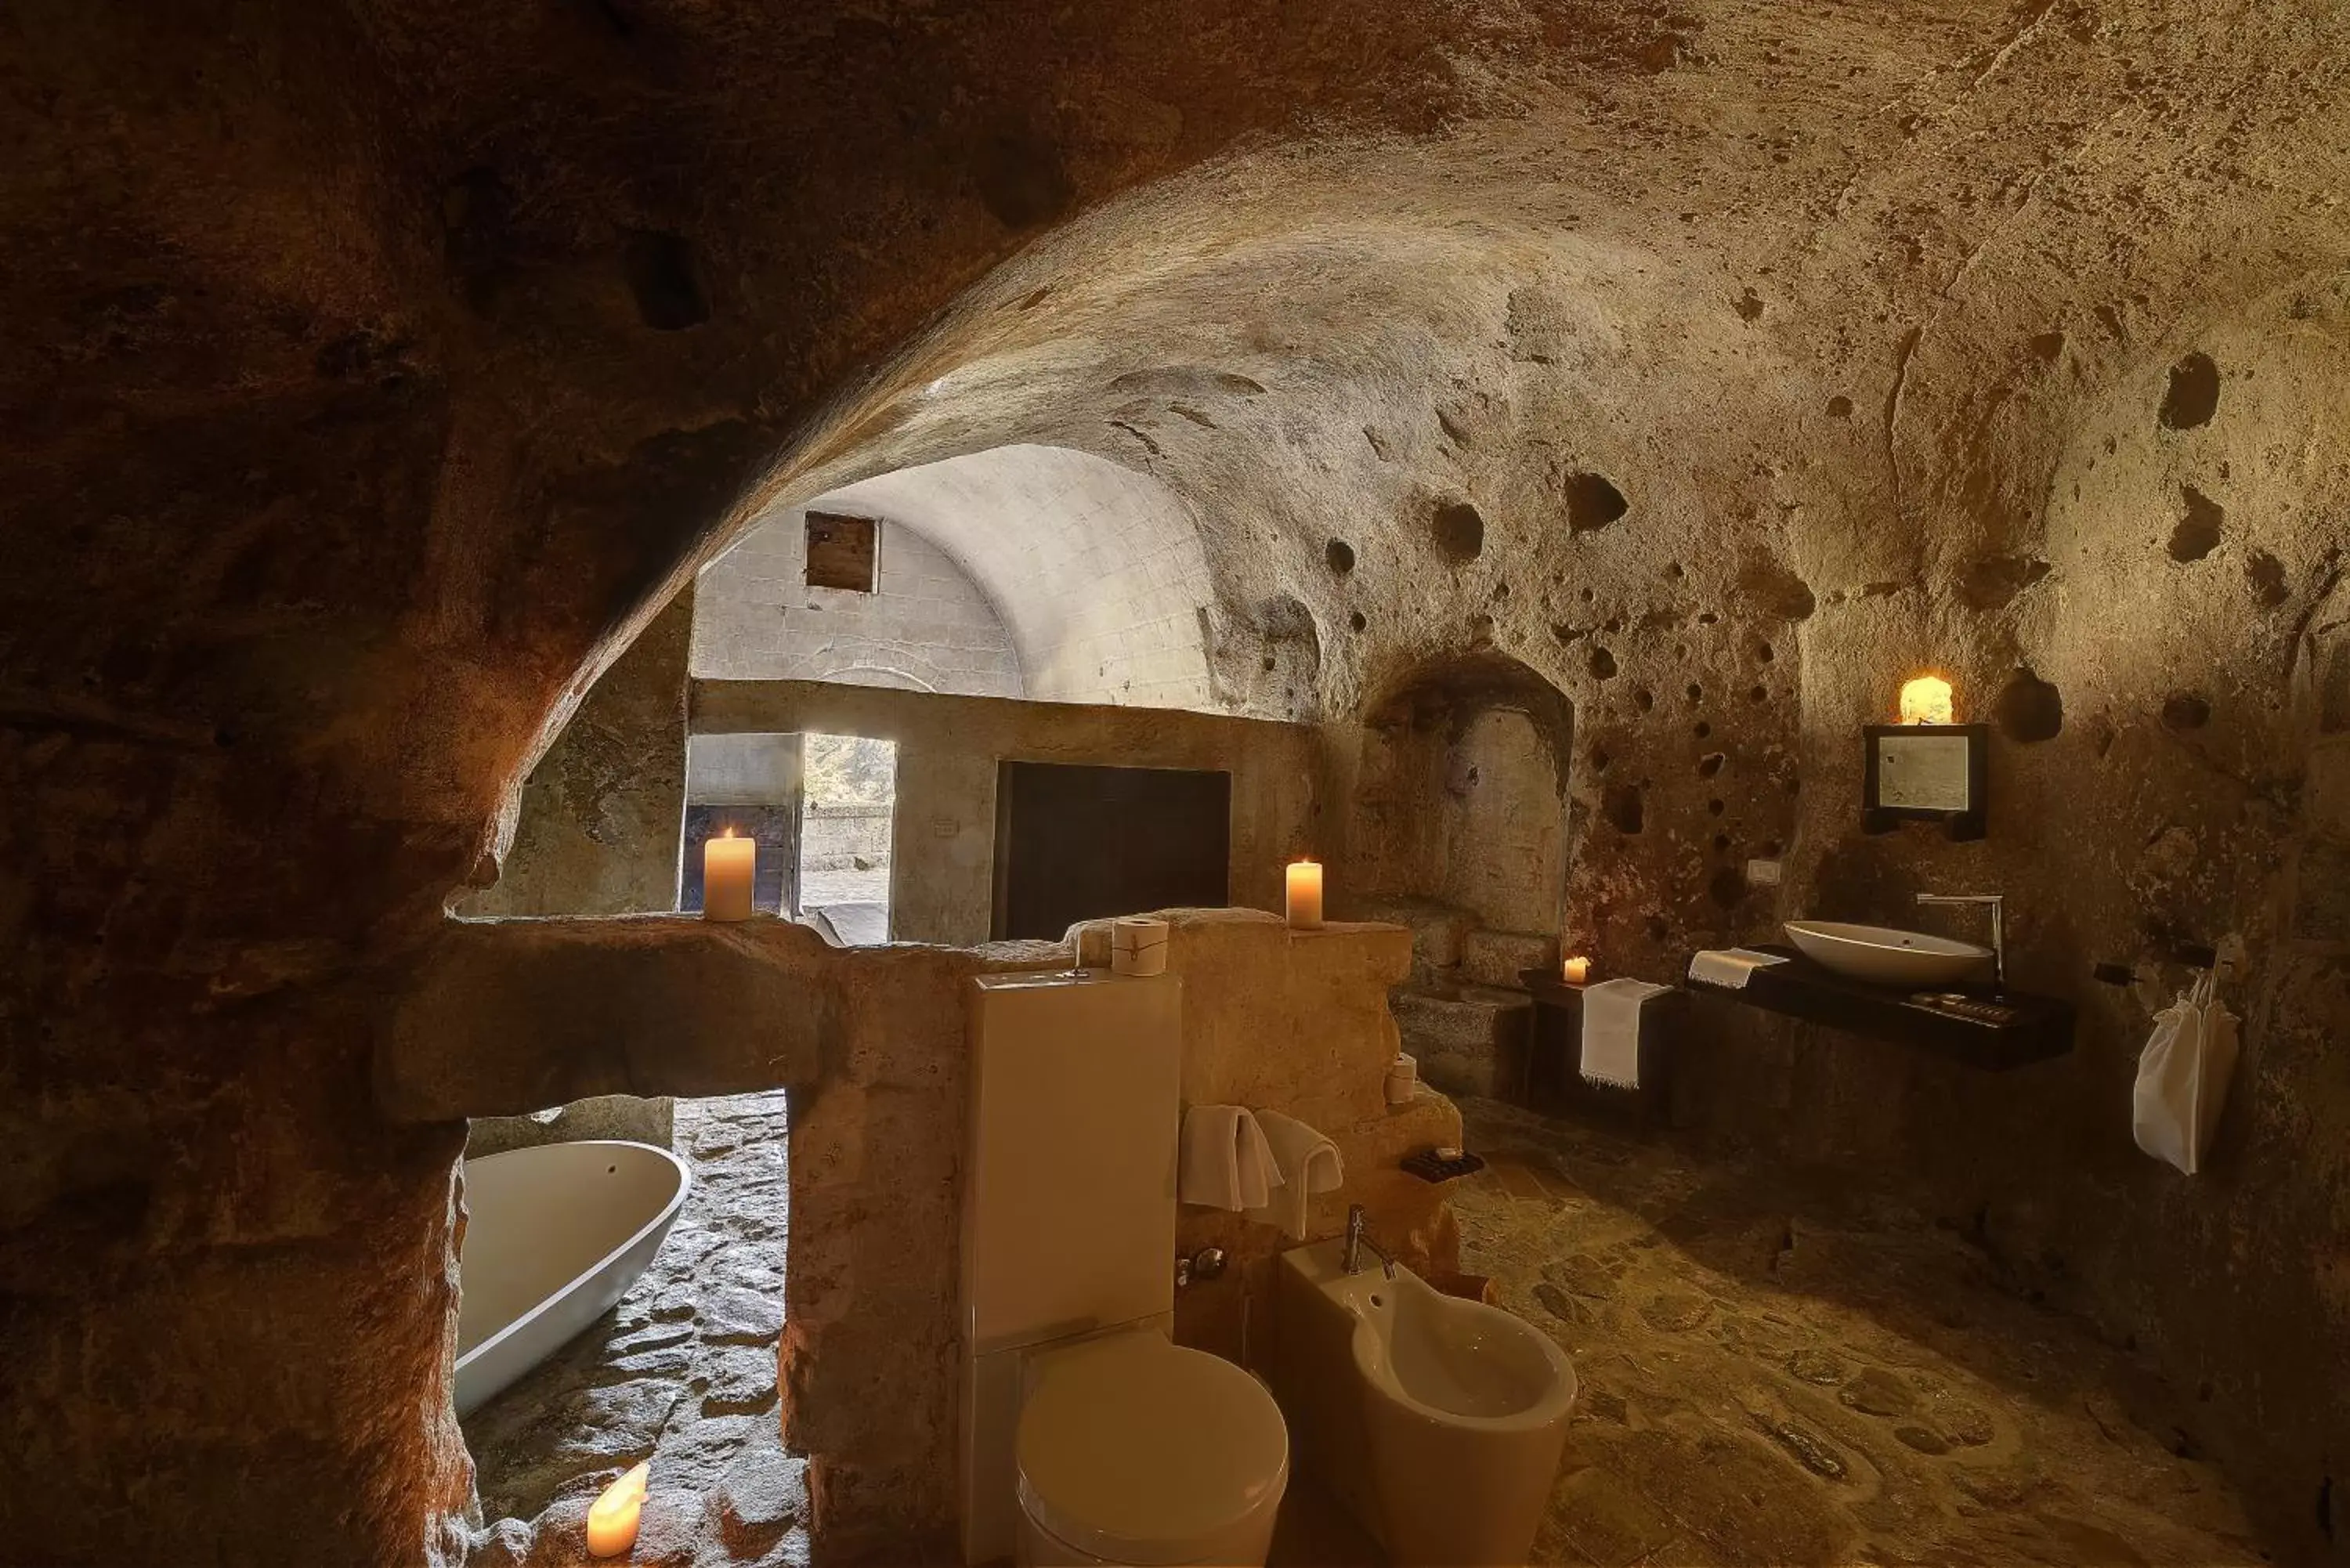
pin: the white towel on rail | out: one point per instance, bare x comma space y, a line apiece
1307, 1163
1611, 1030
1225, 1163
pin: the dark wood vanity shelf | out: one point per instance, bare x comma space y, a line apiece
1984, 1030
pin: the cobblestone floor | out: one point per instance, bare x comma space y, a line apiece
682, 1373
1773, 1375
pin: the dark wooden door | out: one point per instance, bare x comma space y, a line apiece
1079, 843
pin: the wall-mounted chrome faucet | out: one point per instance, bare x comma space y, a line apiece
1357, 1241
1998, 902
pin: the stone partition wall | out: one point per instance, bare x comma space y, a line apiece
871, 1043
1297, 1021
596, 829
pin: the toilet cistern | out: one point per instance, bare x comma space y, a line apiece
1357, 1239
1998, 902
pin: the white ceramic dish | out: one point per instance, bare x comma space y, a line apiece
1887, 956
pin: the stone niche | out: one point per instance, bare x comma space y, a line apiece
511, 1014
1460, 795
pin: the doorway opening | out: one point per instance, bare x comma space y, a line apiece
847, 818
1079, 843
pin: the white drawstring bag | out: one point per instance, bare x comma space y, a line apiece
2182, 1076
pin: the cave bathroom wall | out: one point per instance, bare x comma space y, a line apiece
375, 373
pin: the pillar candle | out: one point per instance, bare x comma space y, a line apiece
728, 866
1305, 895
1576, 971
612, 1517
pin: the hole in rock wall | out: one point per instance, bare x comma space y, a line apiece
1340, 556
1592, 503
2197, 532
1458, 531
2264, 575
2192, 396
2186, 711
2028, 709
1776, 591
661, 273
1621, 805
1460, 797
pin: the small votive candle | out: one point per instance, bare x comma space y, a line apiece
728, 865
612, 1518
1576, 971
1305, 895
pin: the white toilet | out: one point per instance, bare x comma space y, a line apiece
1088, 1437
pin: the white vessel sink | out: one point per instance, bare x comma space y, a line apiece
1887, 956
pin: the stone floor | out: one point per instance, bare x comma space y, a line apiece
1776, 1374
1773, 1373
682, 1373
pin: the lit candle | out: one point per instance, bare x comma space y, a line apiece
1576, 971
612, 1517
728, 866
1305, 895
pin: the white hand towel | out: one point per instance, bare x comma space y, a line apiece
1611, 1031
1306, 1162
1730, 966
1225, 1162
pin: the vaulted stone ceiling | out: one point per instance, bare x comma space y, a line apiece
372, 370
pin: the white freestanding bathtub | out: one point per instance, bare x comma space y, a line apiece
556, 1234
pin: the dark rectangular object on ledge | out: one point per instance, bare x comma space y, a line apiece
1429, 1168
1555, 1080
1981, 1029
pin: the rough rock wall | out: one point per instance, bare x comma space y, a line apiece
2150, 654
370, 365
353, 403
596, 831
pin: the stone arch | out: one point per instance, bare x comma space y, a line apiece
1464, 750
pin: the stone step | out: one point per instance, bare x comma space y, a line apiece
1469, 1039
1437, 929
1495, 957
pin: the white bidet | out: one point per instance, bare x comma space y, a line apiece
1439, 1422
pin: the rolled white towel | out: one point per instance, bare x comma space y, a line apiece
1306, 1163
1226, 1163
1611, 1031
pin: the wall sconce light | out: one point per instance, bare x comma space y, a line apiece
1929, 767
1926, 700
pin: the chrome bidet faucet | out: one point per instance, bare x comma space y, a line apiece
1352, 1259
1998, 902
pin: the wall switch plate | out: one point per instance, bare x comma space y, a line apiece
1762, 873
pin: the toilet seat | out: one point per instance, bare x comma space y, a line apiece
1133, 1449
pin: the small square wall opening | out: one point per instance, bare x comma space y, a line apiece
842, 551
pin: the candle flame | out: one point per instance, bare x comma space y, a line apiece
1926, 700
727, 832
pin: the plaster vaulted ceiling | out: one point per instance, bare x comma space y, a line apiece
1096, 569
